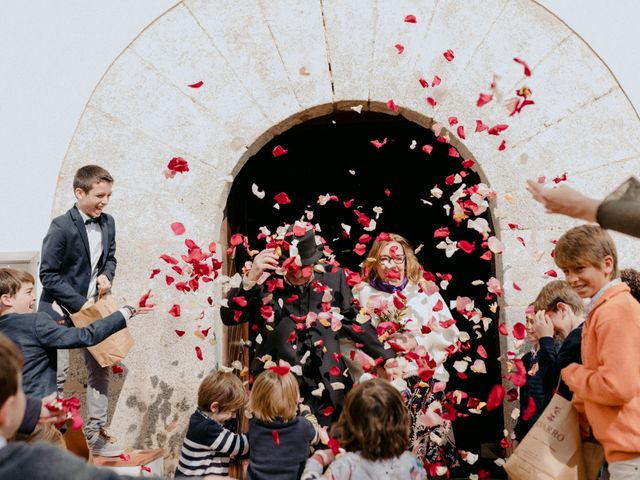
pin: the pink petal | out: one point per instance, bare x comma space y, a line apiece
178, 228
392, 106
483, 99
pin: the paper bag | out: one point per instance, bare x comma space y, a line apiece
76, 442
552, 450
112, 349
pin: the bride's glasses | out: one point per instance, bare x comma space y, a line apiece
398, 259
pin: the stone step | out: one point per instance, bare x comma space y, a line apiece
141, 463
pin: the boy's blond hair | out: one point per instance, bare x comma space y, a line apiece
222, 387
555, 292
586, 245
12, 279
274, 396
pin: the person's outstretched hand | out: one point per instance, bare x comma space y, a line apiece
564, 200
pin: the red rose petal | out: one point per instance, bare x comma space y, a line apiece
466, 247
502, 328
495, 397
240, 301
483, 99
178, 228
431, 101
427, 149
196, 85
280, 370
516, 287
423, 83
360, 249
177, 165
452, 121
502, 146
327, 412
527, 70
480, 126
410, 19
278, 151
169, 259
461, 132
154, 272
442, 232
174, 311
335, 371
519, 331
399, 48
482, 352
387, 192
453, 152
117, 369
529, 410
180, 332
551, 273
334, 445
392, 106
436, 81
497, 129
199, 353
275, 436
449, 55
282, 198
142, 302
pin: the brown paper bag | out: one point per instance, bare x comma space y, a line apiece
112, 349
552, 450
76, 442
593, 454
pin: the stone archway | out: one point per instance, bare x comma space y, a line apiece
269, 65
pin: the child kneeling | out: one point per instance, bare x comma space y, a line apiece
209, 446
374, 429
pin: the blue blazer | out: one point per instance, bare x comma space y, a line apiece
65, 266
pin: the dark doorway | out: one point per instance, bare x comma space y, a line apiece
334, 155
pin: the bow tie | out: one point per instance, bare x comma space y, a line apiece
91, 220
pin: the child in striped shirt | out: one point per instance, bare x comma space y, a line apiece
209, 446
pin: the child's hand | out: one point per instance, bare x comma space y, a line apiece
104, 285
48, 415
542, 325
324, 457
304, 409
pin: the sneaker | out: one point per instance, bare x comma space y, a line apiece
103, 444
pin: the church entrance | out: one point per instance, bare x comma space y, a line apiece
342, 166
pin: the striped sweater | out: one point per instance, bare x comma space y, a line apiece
208, 447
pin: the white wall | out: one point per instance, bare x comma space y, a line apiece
53, 53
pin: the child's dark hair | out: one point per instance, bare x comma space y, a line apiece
86, 177
222, 387
374, 421
12, 279
631, 277
10, 368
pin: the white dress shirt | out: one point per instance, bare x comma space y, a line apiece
94, 234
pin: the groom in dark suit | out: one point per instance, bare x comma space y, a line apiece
78, 263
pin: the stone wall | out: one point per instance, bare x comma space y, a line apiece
270, 64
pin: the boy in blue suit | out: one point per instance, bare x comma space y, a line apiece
78, 263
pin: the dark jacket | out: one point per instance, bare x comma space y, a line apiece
31, 415
39, 337
531, 389
621, 215
551, 362
295, 334
45, 461
279, 449
65, 268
